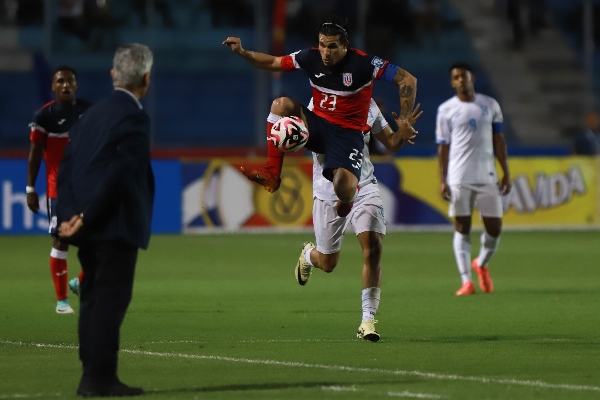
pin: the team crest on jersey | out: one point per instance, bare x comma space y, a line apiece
347, 78
377, 62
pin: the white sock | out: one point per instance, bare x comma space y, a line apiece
489, 244
462, 252
273, 118
370, 302
60, 254
307, 256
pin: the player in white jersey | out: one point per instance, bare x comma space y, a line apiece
469, 133
366, 218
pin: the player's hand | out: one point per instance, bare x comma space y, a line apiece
445, 191
33, 202
405, 130
235, 44
69, 228
412, 118
505, 185
415, 115
404, 123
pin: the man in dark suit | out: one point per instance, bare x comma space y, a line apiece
106, 196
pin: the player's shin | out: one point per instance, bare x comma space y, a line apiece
370, 302
489, 244
275, 156
58, 269
462, 252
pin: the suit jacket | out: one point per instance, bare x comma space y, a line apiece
106, 173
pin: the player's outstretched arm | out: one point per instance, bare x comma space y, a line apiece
259, 60
407, 85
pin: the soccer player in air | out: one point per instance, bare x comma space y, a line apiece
49, 135
366, 218
469, 133
342, 83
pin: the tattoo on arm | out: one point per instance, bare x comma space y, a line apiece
407, 91
400, 74
407, 100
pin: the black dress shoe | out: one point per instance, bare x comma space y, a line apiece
89, 388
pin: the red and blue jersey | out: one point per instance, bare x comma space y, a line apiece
50, 128
341, 93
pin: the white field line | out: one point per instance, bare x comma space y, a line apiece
256, 341
412, 395
340, 388
30, 395
405, 393
420, 374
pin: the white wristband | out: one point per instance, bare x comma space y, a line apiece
29, 189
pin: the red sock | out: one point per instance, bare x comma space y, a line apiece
275, 156
58, 268
80, 277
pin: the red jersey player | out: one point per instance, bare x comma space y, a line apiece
342, 82
49, 135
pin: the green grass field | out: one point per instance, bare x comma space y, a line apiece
222, 317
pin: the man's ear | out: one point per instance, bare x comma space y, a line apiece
146, 79
112, 73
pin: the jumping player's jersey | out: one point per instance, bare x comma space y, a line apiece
468, 128
50, 127
342, 92
323, 189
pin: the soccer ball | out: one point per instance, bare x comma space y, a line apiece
289, 134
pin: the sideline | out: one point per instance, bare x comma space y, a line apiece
420, 374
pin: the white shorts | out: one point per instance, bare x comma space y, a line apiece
366, 216
486, 198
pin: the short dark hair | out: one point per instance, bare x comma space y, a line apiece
461, 65
64, 68
335, 25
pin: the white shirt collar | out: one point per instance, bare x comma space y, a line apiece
132, 96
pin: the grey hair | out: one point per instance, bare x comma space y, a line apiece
131, 62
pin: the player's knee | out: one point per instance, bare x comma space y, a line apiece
493, 227
494, 231
372, 254
462, 227
283, 106
344, 188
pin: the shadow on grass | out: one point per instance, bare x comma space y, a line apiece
249, 387
525, 339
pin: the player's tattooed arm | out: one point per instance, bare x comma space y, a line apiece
259, 60
407, 85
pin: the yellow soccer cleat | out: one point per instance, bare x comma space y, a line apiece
303, 269
367, 331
